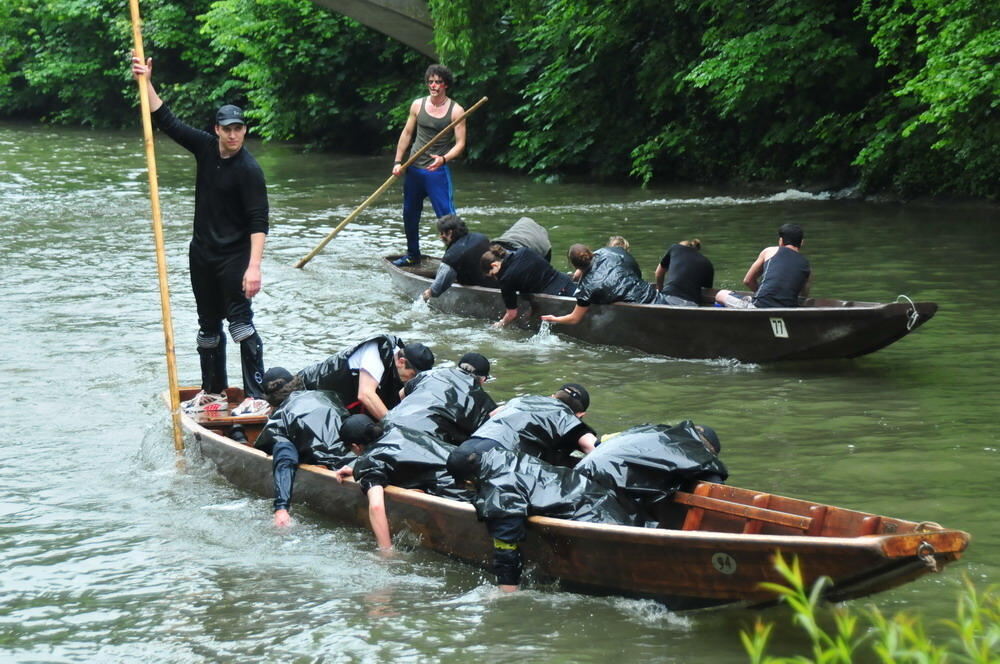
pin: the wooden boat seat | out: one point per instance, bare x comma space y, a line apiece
698, 501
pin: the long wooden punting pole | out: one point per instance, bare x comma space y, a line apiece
385, 185
161, 259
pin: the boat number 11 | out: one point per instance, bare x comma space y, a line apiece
778, 327
724, 562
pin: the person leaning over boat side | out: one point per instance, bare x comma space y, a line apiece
604, 281
400, 456
464, 249
777, 278
448, 403
526, 232
303, 428
429, 176
510, 487
615, 252
522, 271
227, 246
368, 377
647, 464
687, 271
461, 257
550, 428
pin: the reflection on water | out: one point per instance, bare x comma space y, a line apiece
110, 552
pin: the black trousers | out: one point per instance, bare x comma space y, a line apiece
217, 282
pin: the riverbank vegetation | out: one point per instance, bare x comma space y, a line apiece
846, 635
896, 96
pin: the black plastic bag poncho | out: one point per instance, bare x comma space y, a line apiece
310, 420
517, 485
608, 281
543, 427
620, 256
647, 464
446, 403
409, 459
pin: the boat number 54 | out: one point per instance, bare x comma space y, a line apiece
724, 563
778, 327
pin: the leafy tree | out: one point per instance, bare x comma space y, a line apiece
309, 73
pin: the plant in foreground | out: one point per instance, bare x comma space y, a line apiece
902, 638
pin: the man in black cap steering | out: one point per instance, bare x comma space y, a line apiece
230, 226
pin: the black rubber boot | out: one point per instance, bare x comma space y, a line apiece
213, 368
252, 360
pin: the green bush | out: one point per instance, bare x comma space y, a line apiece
975, 632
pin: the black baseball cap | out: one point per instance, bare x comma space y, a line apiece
357, 429
480, 365
229, 114
578, 392
419, 356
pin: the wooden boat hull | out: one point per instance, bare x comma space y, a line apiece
820, 329
684, 569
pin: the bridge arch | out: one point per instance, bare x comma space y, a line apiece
408, 21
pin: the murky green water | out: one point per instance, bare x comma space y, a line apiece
110, 553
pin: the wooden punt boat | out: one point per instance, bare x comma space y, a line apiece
819, 329
718, 550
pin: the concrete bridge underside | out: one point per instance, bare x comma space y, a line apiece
407, 21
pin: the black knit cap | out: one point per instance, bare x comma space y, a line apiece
419, 356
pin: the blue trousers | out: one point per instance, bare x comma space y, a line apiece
419, 184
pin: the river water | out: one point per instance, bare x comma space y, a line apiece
111, 552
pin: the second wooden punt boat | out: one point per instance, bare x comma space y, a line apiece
819, 329
717, 550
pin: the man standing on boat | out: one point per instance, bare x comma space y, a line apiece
429, 176
777, 278
230, 227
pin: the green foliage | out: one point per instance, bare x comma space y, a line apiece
59, 59
899, 639
897, 95
938, 127
298, 66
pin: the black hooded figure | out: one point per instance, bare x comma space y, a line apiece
304, 429
448, 403
647, 464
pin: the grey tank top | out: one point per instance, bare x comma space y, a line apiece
427, 128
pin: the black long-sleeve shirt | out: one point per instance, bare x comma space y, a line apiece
230, 199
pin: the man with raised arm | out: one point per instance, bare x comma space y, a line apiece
230, 226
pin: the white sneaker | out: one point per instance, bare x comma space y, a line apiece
205, 402
251, 406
